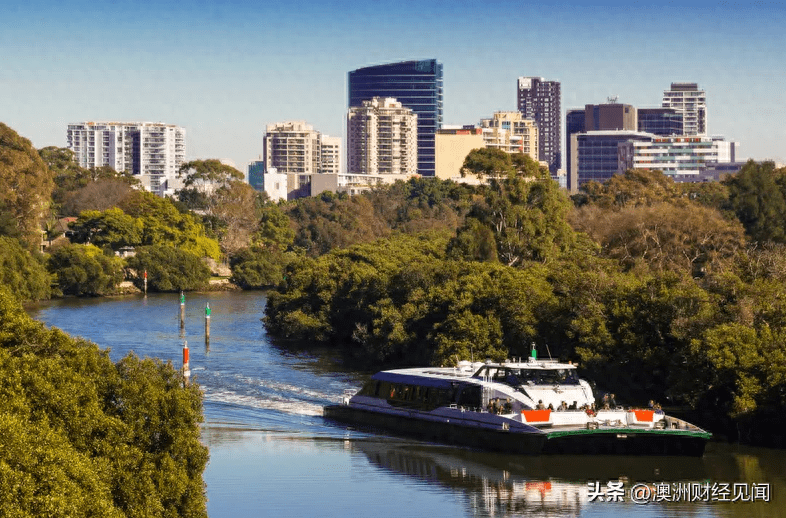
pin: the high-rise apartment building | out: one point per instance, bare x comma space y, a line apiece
382, 138
541, 100
511, 132
295, 147
417, 85
151, 151
688, 100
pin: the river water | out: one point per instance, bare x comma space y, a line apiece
272, 453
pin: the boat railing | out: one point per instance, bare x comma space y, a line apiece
347, 395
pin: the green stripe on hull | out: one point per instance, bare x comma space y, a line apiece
629, 431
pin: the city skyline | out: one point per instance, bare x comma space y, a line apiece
224, 72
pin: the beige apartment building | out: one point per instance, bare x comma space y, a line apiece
382, 138
451, 147
511, 132
295, 147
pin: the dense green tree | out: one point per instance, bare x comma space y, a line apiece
634, 188
102, 194
274, 230
238, 208
25, 188
112, 228
407, 304
528, 167
475, 242
21, 272
527, 217
327, 222
757, 195
169, 268
85, 270
162, 223
80, 436
685, 237
488, 162
201, 179
208, 174
259, 267
78, 188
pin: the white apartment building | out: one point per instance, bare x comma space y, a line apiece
511, 132
382, 138
296, 147
151, 151
681, 157
687, 99
330, 162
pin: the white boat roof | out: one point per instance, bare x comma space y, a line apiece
467, 369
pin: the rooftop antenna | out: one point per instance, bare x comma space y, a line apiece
612, 99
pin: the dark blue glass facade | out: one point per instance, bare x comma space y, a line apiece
256, 175
598, 154
660, 121
417, 85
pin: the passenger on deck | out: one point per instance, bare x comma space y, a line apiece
574, 406
507, 407
562, 407
606, 401
612, 402
540, 406
551, 407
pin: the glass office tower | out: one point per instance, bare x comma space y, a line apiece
416, 85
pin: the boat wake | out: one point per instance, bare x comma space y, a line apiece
264, 402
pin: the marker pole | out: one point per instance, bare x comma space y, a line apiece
186, 366
182, 310
207, 321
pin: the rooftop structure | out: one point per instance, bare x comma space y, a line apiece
688, 100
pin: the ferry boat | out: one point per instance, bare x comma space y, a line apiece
532, 407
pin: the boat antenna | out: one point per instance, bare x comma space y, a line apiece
548, 351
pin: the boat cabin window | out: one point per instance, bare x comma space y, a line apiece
515, 377
549, 376
425, 397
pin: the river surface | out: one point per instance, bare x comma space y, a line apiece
272, 453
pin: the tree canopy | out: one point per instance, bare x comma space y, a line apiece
25, 188
22, 273
81, 436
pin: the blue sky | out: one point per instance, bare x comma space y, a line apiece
223, 70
